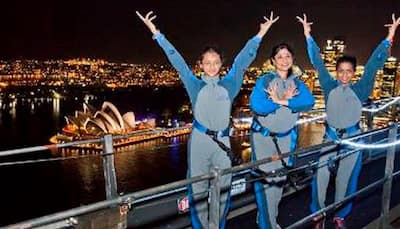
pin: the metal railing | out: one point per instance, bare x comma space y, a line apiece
68, 218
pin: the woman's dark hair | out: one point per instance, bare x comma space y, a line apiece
347, 59
211, 48
279, 47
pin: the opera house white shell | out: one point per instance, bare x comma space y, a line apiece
107, 120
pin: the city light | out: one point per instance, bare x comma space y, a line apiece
374, 110
368, 146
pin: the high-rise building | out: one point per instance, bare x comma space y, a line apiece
397, 81
315, 87
332, 51
377, 92
388, 88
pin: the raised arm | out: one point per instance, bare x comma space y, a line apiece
189, 79
363, 88
392, 28
234, 78
314, 54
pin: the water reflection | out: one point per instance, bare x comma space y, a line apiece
160, 161
138, 166
70, 183
13, 110
56, 108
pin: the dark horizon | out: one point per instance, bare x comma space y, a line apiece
110, 30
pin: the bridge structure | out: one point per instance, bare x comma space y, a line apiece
166, 206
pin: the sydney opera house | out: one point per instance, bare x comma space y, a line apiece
91, 123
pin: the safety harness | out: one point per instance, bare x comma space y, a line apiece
336, 134
257, 127
214, 136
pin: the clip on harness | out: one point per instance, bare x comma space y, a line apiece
336, 134
214, 136
257, 127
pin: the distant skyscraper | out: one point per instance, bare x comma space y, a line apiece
332, 51
377, 92
397, 81
389, 78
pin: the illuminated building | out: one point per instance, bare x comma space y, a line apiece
397, 81
332, 51
91, 123
388, 88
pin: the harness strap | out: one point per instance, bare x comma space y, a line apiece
257, 127
336, 133
214, 136
205, 130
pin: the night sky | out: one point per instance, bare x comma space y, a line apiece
60, 29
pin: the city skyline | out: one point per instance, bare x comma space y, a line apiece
111, 30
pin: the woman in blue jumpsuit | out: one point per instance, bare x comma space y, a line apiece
341, 93
211, 97
276, 101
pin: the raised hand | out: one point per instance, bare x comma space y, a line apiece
148, 21
290, 92
392, 27
272, 91
306, 25
264, 27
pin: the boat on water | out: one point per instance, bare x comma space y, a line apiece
92, 123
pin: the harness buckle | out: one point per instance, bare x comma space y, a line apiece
332, 166
341, 132
212, 133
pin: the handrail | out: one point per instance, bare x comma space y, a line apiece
135, 197
68, 144
117, 137
101, 140
125, 199
386, 181
335, 205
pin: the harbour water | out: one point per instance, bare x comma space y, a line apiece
42, 188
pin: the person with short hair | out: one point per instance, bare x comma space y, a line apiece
343, 100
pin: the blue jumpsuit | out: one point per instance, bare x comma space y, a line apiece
211, 100
343, 109
271, 117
